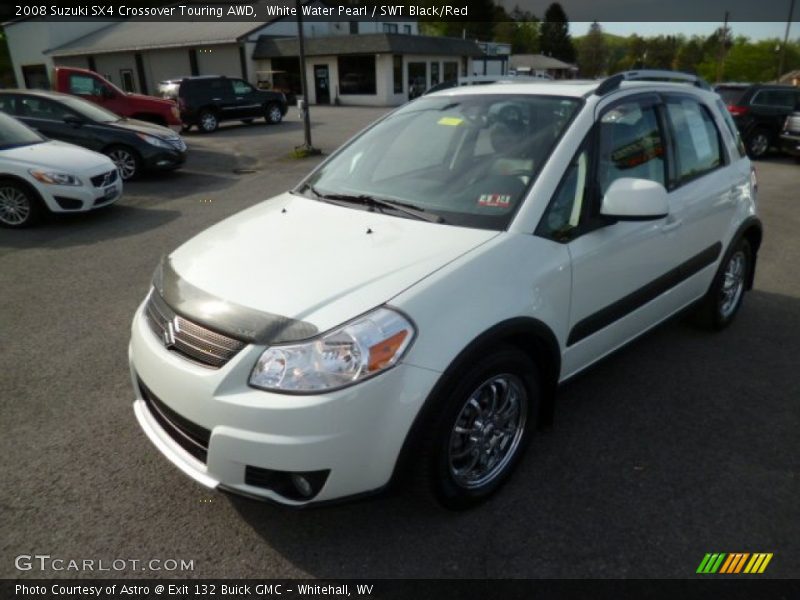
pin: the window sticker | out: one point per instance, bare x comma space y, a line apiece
697, 129
495, 200
451, 121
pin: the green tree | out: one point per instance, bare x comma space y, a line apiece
555, 40
690, 55
592, 52
521, 30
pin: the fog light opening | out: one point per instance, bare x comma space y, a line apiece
302, 485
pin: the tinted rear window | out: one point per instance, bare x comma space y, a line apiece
731, 95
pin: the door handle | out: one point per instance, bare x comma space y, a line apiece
671, 225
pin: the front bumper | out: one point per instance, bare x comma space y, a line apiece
82, 198
790, 144
158, 159
355, 434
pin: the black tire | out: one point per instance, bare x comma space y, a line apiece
208, 121
127, 160
758, 143
445, 455
273, 114
724, 298
20, 206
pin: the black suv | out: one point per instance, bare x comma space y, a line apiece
205, 101
760, 112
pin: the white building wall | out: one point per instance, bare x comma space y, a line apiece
110, 65
166, 64
28, 40
219, 60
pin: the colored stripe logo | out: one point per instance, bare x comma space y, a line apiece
734, 563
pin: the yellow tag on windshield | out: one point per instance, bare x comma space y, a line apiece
451, 121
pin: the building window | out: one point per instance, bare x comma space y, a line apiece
357, 74
354, 27
36, 77
126, 76
407, 29
434, 73
390, 28
397, 73
450, 71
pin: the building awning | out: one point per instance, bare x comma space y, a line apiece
370, 43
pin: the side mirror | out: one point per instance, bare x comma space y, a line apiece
629, 199
73, 120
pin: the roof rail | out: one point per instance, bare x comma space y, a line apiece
611, 83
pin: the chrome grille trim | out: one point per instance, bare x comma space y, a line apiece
190, 340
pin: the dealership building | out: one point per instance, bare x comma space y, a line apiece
347, 62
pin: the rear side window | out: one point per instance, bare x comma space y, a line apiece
631, 145
8, 105
776, 98
697, 141
731, 95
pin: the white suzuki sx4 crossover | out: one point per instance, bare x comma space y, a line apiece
409, 309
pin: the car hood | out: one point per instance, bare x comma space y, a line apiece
59, 156
315, 262
136, 126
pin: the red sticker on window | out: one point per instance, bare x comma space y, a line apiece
495, 200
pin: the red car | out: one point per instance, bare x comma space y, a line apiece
91, 86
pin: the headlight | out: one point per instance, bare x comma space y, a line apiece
355, 351
55, 178
156, 141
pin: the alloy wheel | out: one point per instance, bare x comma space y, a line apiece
488, 431
15, 207
759, 144
732, 284
274, 114
125, 162
208, 122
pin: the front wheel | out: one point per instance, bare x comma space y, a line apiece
127, 161
273, 114
724, 298
19, 206
485, 424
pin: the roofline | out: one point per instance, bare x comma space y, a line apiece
56, 54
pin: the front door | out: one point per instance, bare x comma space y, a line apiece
322, 84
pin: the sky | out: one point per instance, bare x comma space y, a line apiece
755, 31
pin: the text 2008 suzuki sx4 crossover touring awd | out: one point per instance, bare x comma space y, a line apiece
413, 304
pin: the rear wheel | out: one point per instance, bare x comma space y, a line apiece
19, 205
724, 298
758, 143
485, 423
273, 114
208, 121
127, 161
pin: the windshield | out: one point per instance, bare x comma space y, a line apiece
14, 134
89, 110
469, 159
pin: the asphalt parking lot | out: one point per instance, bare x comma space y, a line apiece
683, 443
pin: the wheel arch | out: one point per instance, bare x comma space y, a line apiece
530, 335
752, 230
27, 185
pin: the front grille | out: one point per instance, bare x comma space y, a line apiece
191, 340
189, 436
105, 179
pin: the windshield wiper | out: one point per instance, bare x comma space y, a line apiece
375, 202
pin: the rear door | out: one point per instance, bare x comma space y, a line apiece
248, 100
47, 117
221, 97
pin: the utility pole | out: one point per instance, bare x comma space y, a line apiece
308, 148
721, 60
785, 40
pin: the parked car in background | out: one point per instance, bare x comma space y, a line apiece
168, 89
790, 136
421, 302
39, 175
134, 146
208, 100
731, 92
94, 88
760, 112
